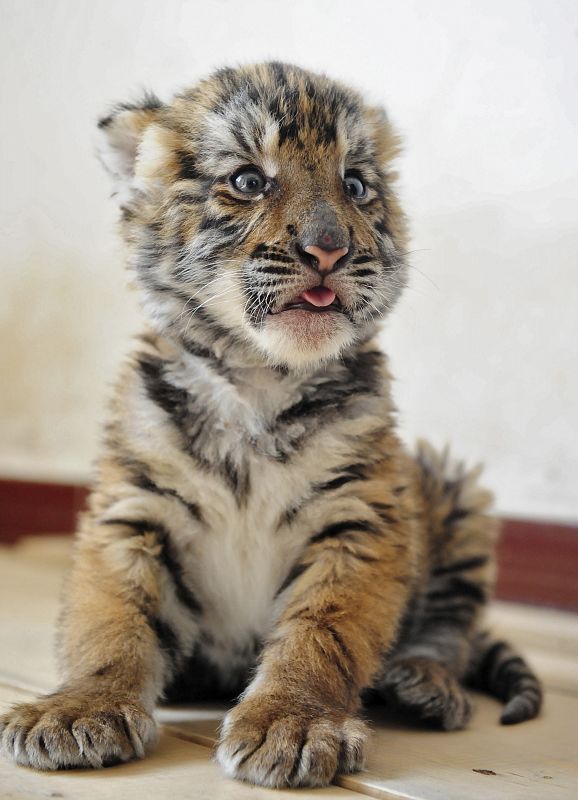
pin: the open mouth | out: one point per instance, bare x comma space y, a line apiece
320, 299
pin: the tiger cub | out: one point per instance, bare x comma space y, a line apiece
256, 525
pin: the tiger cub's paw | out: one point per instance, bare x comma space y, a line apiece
426, 689
270, 741
76, 729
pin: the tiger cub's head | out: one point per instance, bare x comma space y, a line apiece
259, 213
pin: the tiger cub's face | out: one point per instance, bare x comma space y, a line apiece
257, 207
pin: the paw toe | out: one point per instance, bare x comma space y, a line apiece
140, 729
353, 746
50, 745
100, 740
13, 739
239, 741
320, 756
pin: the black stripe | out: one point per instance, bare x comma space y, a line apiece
171, 562
455, 623
168, 557
328, 398
288, 130
275, 255
172, 400
351, 472
294, 573
158, 287
149, 102
177, 403
360, 376
336, 483
363, 368
532, 696
191, 420
458, 587
458, 566
272, 269
533, 689
455, 516
166, 636
241, 139
513, 679
143, 481
486, 666
187, 166
211, 223
141, 526
368, 559
219, 223
338, 639
508, 672
345, 526
346, 671
455, 616
381, 226
189, 198
383, 510
238, 479
199, 351
304, 408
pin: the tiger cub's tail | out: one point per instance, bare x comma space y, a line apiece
463, 572
497, 669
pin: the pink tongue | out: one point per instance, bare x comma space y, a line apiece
320, 296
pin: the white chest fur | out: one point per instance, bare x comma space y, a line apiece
237, 557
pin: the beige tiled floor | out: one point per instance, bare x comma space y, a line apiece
537, 760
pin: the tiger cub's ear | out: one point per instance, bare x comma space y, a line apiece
119, 135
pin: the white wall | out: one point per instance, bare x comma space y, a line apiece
484, 345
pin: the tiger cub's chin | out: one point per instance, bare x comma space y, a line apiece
300, 338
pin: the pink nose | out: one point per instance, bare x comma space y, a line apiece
326, 259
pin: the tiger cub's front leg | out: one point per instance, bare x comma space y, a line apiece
115, 649
297, 723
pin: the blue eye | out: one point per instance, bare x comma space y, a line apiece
249, 181
354, 186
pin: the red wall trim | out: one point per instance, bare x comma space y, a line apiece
29, 507
538, 561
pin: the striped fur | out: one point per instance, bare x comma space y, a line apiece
256, 525
495, 667
440, 643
